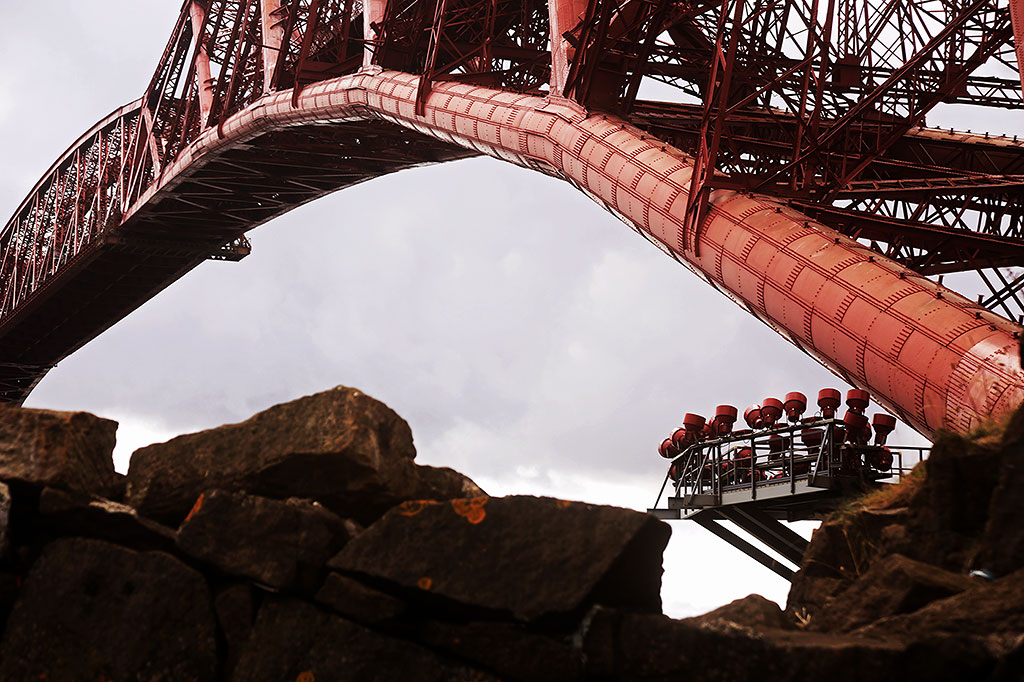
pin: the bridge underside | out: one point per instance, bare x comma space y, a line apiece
203, 216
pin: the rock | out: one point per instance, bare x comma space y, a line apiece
282, 544
70, 450
950, 516
1002, 543
1009, 667
358, 602
808, 594
74, 513
340, 447
893, 585
753, 611
953, 506
235, 607
443, 483
10, 588
91, 610
295, 641
986, 608
509, 650
527, 556
120, 483
641, 647
5, 520
842, 549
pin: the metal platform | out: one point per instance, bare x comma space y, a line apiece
757, 480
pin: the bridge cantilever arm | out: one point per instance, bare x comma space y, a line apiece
934, 358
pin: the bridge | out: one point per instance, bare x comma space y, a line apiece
792, 169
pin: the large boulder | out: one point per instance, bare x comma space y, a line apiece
75, 513
509, 650
279, 543
893, 585
654, 648
235, 606
959, 510
358, 602
527, 556
841, 550
292, 640
950, 512
987, 608
91, 610
341, 447
1002, 543
70, 450
752, 611
10, 588
5, 519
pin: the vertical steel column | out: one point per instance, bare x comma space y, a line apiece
1017, 17
204, 81
563, 16
273, 37
373, 13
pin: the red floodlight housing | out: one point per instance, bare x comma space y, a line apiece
828, 401
668, 449
752, 415
694, 425
857, 400
881, 459
680, 439
795, 405
884, 425
771, 410
857, 430
725, 417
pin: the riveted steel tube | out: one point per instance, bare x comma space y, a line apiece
936, 359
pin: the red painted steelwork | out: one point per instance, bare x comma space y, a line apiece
928, 354
809, 136
1017, 16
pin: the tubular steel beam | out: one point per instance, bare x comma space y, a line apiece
204, 156
930, 355
1017, 18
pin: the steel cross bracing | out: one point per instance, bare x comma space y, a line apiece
789, 162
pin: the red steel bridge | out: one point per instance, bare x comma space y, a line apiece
779, 149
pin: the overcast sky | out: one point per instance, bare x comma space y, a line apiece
531, 340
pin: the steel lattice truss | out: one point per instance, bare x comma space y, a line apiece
817, 109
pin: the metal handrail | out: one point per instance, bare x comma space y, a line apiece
779, 455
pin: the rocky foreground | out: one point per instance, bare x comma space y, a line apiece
306, 544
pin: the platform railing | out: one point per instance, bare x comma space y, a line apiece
906, 457
810, 454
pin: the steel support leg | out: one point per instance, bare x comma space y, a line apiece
769, 531
709, 520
